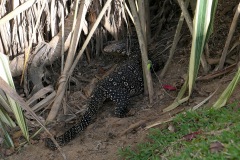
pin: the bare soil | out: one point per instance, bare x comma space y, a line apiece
102, 139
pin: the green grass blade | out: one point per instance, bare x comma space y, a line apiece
193, 137
4, 117
7, 139
179, 99
17, 111
202, 28
227, 92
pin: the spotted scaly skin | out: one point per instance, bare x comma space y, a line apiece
126, 81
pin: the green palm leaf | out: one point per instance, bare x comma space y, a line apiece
13, 106
202, 28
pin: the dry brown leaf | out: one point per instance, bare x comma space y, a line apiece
216, 147
191, 136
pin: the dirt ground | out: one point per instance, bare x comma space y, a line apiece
102, 139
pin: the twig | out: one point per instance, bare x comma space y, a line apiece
186, 14
229, 37
143, 46
175, 42
158, 123
147, 16
132, 127
128, 11
63, 80
204, 101
142, 18
217, 73
63, 37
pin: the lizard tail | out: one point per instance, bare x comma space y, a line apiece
95, 103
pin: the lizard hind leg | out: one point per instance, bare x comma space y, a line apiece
121, 98
121, 109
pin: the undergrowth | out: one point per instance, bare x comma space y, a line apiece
203, 134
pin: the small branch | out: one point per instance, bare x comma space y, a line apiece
204, 101
63, 37
143, 46
229, 37
186, 14
142, 18
217, 73
147, 16
128, 11
132, 127
175, 42
63, 80
158, 123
